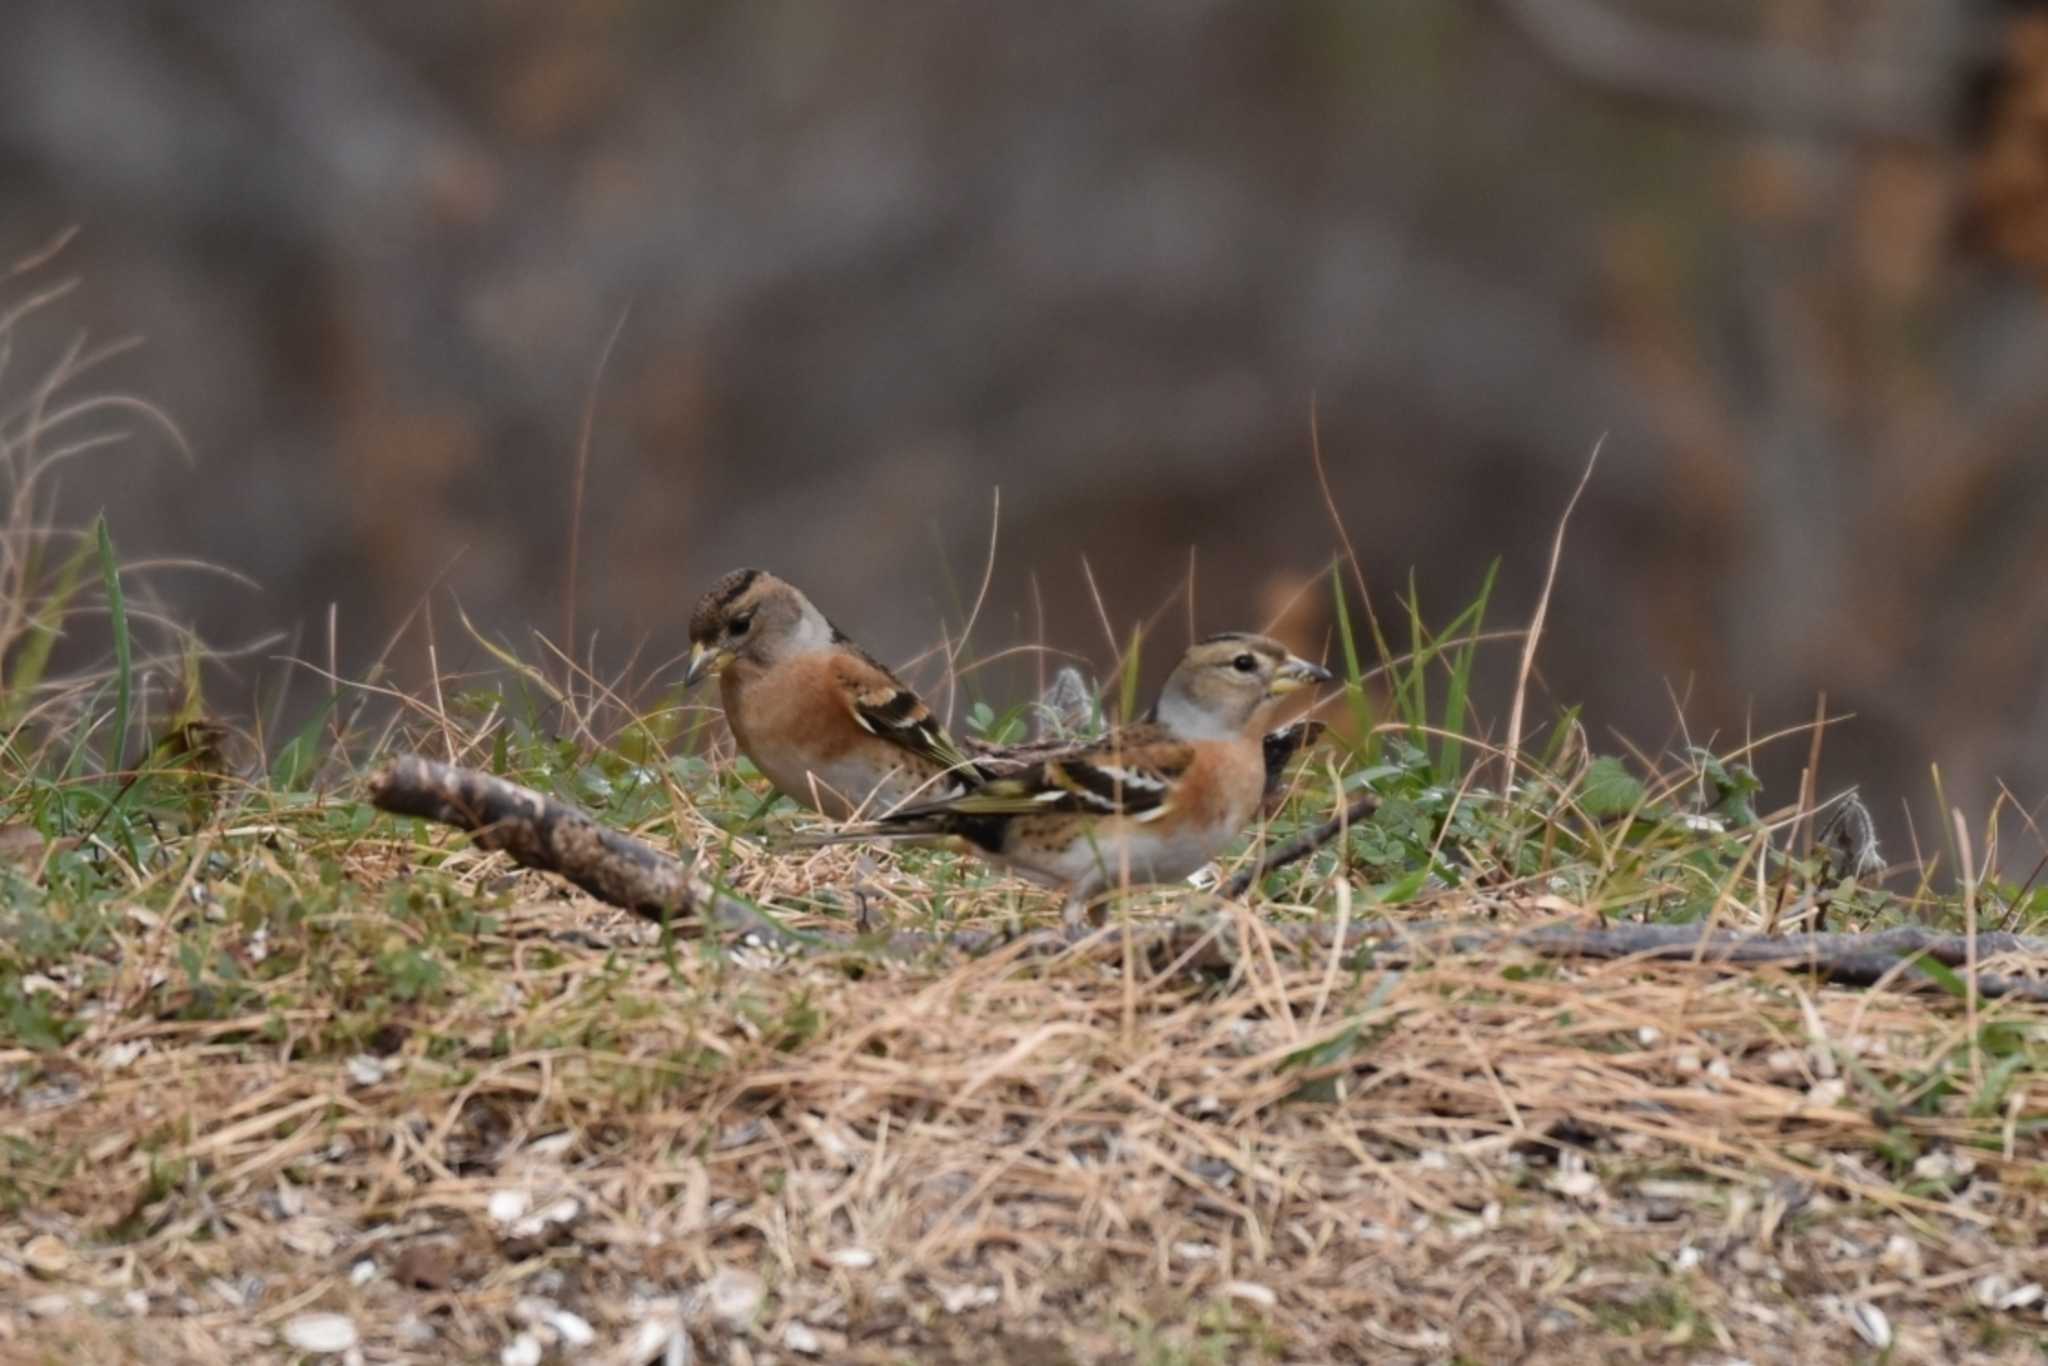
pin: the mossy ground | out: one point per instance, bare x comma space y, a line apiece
267, 1053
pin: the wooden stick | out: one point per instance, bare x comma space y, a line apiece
542, 833
1302, 845
539, 832
1849, 959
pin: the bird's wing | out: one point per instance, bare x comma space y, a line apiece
1282, 745
1009, 760
884, 706
1133, 774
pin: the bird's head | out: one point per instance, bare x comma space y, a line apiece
754, 617
1223, 683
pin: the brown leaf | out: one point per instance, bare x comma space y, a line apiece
425, 1266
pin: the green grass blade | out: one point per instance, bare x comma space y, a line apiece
1452, 756
117, 614
1354, 676
512, 662
299, 760
1127, 701
34, 659
1560, 732
1946, 824
75, 758
1944, 976
1412, 689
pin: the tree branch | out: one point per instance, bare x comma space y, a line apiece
539, 832
553, 837
1769, 84
1302, 845
1849, 959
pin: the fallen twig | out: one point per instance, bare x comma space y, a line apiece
554, 837
539, 832
1302, 845
1772, 85
1849, 959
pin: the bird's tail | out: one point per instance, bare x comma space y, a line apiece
865, 832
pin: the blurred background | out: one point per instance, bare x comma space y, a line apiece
865, 265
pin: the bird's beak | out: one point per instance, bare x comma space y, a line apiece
1296, 673
705, 659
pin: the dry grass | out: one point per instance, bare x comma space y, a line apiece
278, 1064
273, 1066
852, 1159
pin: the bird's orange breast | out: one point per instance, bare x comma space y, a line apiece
794, 708
1222, 786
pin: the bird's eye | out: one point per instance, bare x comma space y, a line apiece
1244, 664
741, 623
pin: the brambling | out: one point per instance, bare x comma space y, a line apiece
1280, 748
1151, 802
825, 723
1281, 744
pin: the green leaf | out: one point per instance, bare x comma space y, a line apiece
1405, 819
413, 975
2004, 1038
1333, 1049
1730, 786
1944, 976
1321, 1091
1609, 789
1401, 889
1998, 1079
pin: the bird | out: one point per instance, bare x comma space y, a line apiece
1150, 802
1281, 745
827, 725
1062, 724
